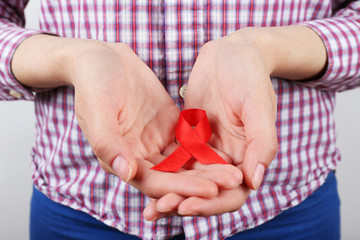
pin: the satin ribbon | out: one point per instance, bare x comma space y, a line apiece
193, 142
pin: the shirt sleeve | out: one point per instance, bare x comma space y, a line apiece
12, 33
341, 36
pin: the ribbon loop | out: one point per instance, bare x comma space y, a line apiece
192, 132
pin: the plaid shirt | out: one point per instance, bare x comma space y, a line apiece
167, 35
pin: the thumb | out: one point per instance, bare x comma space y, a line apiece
261, 140
259, 154
114, 157
102, 130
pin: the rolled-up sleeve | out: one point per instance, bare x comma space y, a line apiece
341, 36
12, 34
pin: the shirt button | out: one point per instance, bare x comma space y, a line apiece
15, 94
182, 91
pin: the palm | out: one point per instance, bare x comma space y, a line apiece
227, 136
122, 91
222, 97
239, 98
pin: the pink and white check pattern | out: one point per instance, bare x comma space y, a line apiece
168, 35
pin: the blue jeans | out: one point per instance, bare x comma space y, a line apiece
318, 218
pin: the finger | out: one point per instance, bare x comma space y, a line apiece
224, 176
213, 167
259, 120
114, 155
150, 212
156, 184
222, 179
163, 207
226, 201
169, 203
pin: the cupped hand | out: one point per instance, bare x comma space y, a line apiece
231, 82
129, 119
121, 107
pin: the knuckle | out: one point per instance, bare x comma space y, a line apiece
272, 148
98, 146
213, 191
105, 167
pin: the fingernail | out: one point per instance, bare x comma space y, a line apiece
186, 212
158, 217
258, 175
164, 210
122, 168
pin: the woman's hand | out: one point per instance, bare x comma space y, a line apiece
231, 82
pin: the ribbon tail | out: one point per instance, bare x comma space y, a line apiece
212, 160
204, 154
174, 161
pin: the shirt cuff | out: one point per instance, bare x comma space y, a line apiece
340, 36
10, 39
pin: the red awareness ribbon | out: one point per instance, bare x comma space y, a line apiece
193, 142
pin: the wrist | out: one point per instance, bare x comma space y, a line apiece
260, 41
292, 52
80, 57
38, 61
45, 61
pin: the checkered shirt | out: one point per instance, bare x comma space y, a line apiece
167, 35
